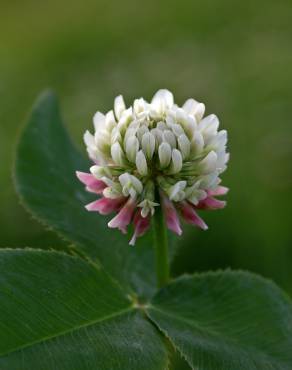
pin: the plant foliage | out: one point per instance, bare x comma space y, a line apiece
100, 309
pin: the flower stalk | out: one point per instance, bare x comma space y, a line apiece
161, 248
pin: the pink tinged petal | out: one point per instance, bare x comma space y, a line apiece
93, 185
220, 190
105, 206
124, 217
211, 203
86, 178
191, 217
97, 190
171, 217
141, 225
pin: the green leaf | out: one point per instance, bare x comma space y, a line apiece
226, 321
60, 312
176, 361
45, 179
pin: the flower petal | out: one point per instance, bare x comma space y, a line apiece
141, 226
191, 106
164, 154
105, 206
171, 217
190, 215
99, 121
117, 154
124, 217
220, 190
132, 147
92, 184
148, 144
175, 190
162, 100
141, 163
119, 106
176, 161
208, 164
211, 203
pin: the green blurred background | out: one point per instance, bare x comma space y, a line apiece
234, 56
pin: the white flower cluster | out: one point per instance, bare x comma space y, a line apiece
157, 145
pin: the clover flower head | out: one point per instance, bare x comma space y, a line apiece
153, 155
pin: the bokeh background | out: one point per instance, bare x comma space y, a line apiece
236, 56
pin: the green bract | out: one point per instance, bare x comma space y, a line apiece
100, 309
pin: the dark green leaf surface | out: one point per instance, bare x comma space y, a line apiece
226, 321
60, 312
45, 179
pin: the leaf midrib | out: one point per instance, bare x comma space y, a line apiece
71, 330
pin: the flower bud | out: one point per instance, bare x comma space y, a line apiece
141, 163
125, 120
194, 194
100, 171
162, 101
218, 142
91, 145
141, 131
184, 146
116, 136
197, 144
164, 153
148, 144
177, 129
169, 137
176, 161
208, 164
103, 139
176, 192
147, 207
110, 121
117, 154
139, 106
114, 191
130, 185
209, 126
99, 121
158, 137
194, 108
132, 147
119, 106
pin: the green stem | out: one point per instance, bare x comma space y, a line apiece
161, 247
